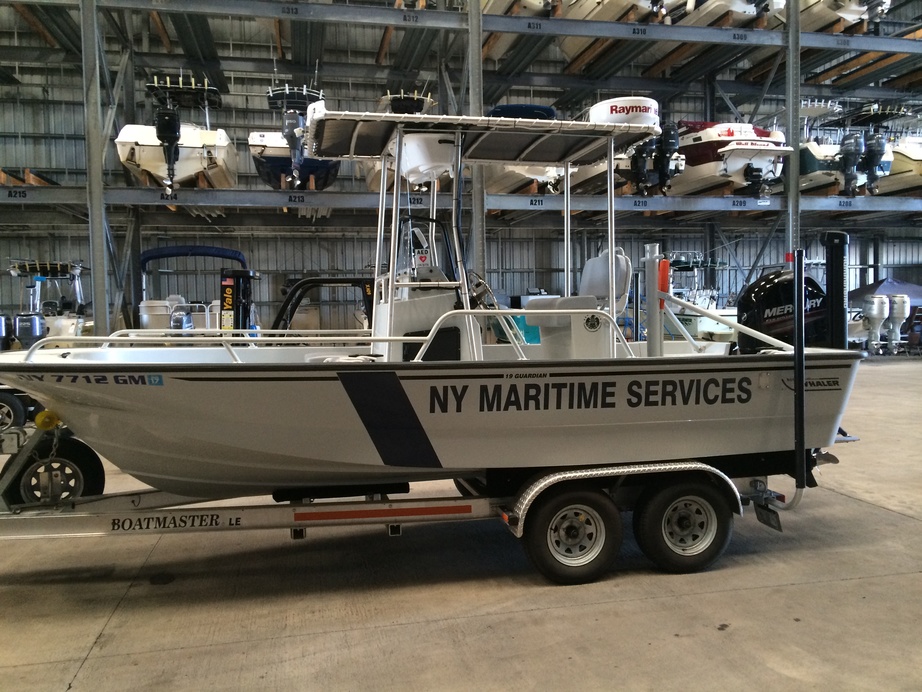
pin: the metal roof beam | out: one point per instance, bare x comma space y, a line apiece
383, 16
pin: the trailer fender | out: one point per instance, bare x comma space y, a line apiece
515, 517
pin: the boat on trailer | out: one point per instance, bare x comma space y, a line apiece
556, 437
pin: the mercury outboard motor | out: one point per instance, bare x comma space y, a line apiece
666, 147
851, 151
167, 127
767, 305
874, 150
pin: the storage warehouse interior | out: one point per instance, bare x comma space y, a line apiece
736, 139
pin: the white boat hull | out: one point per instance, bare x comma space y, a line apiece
233, 429
207, 152
905, 170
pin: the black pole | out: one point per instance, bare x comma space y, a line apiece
800, 460
836, 243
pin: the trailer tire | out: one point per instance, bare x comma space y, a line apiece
12, 411
683, 527
80, 468
573, 536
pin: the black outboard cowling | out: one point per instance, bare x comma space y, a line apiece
850, 152
667, 145
767, 305
168, 129
874, 150
642, 151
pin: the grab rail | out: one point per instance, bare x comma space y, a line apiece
511, 312
230, 340
771, 341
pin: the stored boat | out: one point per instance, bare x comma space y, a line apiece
495, 45
510, 178
279, 156
739, 157
557, 437
906, 168
854, 163
174, 153
401, 103
719, 13
649, 166
581, 47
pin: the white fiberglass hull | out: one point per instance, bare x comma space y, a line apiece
213, 429
200, 151
905, 169
729, 169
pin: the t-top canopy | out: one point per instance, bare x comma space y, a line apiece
344, 134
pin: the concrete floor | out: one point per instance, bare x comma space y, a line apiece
834, 602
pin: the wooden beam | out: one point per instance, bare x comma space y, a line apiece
599, 46
685, 50
35, 25
386, 38
161, 31
7, 178
277, 33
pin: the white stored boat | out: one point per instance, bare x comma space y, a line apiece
510, 178
573, 47
495, 45
174, 153
857, 162
557, 436
400, 103
738, 156
905, 172
718, 13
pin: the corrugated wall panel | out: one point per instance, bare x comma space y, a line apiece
517, 264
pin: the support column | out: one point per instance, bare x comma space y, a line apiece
89, 33
478, 242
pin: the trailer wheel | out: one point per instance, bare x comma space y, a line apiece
573, 537
683, 527
80, 469
12, 411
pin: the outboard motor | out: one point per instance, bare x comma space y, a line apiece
667, 146
851, 151
6, 332
167, 127
767, 305
642, 152
900, 310
754, 176
876, 309
874, 150
29, 327
293, 132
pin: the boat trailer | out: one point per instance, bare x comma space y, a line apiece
682, 510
